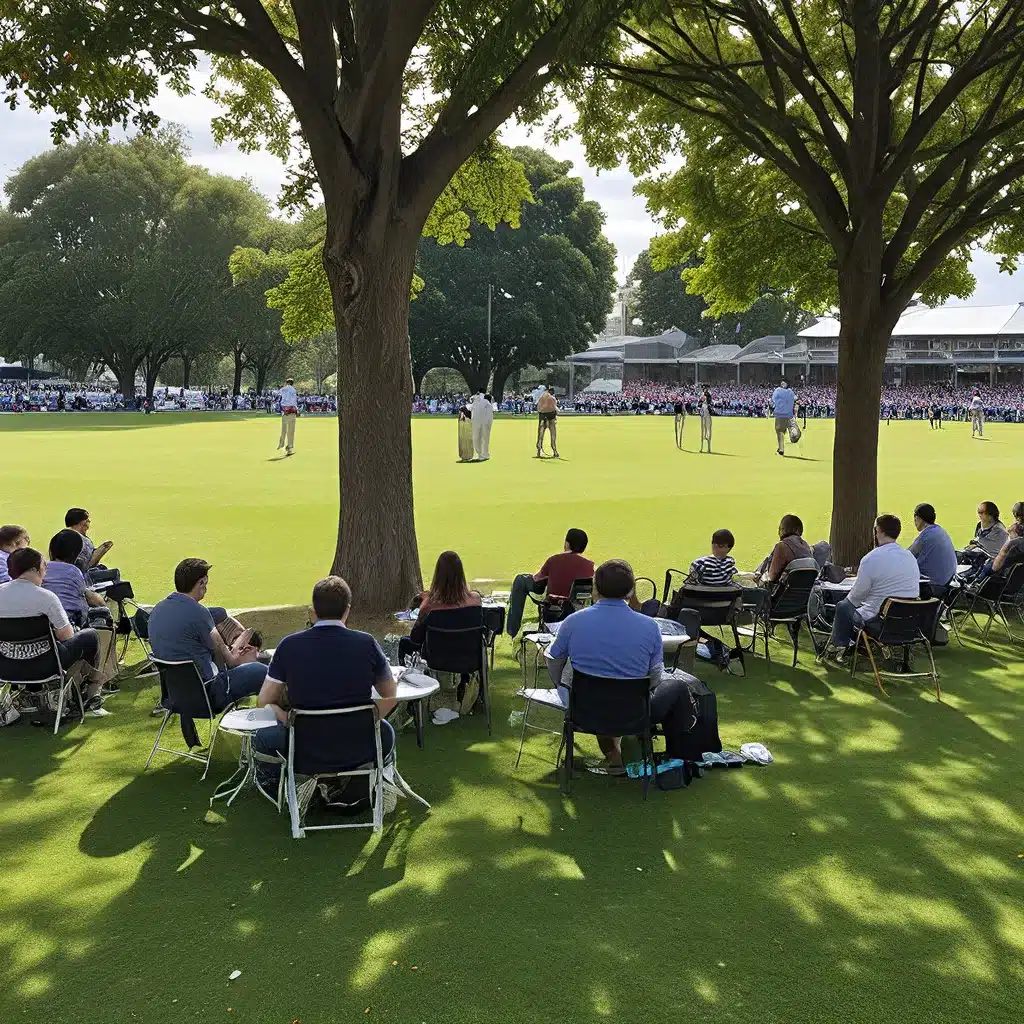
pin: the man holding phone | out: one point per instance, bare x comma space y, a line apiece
183, 629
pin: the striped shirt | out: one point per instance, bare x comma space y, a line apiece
711, 571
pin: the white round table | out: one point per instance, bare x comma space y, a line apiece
413, 689
242, 722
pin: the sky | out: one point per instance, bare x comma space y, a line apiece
24, 133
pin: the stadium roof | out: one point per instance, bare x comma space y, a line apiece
712, 354
658, 348
942, 322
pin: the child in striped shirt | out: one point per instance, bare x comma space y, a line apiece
716, 569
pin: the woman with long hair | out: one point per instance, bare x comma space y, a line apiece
448, 590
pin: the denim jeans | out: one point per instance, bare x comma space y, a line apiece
522, 586
233, 683
847, 623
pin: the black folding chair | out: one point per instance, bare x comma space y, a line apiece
686, 654
555, 609
601, 706
184, 694
30, 660
457, 641
717, 606
787, 605
902, 623
993, 596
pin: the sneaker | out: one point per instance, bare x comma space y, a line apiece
556, 455
442, 716
109, 689
158, 709
780, 452
94, 706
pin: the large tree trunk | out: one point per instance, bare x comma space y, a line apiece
126, 383
261, 379
501, 376
236, 387
370, 274
864, 333
186, 372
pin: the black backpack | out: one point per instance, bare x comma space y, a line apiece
704, 734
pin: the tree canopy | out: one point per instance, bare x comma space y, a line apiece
117, 255
846, 155
661, 301
548, 284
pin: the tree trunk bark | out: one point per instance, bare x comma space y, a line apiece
370, 274
261, 379
863, 343
186, 372
501, 377
236, 387
126, 382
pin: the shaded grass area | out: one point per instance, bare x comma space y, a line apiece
871, 873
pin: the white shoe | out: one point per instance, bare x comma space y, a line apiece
442, 716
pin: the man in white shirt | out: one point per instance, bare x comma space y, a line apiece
289, 413
24, 597
482, 415
887, 571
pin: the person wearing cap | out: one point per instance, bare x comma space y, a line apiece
181, 628
289, 413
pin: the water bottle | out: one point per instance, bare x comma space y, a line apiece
516, 719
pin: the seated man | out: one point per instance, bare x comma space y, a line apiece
558, 572
64, 578
609, 639
11, 538
932, 547
327, 666
718, 568
181, 629
24, 597
886, 571
77, 519
989, 535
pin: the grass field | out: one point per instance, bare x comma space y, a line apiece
874, 872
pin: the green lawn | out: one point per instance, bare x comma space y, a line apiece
873, 873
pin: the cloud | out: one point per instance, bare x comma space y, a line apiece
629, 226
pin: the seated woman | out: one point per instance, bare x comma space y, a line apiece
989, 536
448, 590
790, 547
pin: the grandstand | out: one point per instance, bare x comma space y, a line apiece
959, 344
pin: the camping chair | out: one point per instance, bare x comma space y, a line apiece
184, 694
317, 742
902, 623
457, 641
717, 606
549, 609
787, 605
607, 707
128, 623
32, 661
995, 594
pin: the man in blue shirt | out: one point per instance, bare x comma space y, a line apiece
784, 405
328, 666
181, 629
609, 639
933, 548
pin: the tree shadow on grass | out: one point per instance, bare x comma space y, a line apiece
870, 873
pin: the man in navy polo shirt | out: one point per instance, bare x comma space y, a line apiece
611, 640
327, 666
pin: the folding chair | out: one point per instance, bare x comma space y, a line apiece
184, 694
787, 605
543, 698
581, 594
902, 623
317, 741
686, 654
30, 659
994, 595
128, 623
457, 641
602, 706
717, 606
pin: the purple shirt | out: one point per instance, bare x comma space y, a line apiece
68, 584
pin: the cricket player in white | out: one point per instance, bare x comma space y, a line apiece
977, 408
482, 411
289, 413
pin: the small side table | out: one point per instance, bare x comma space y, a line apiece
242, 722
